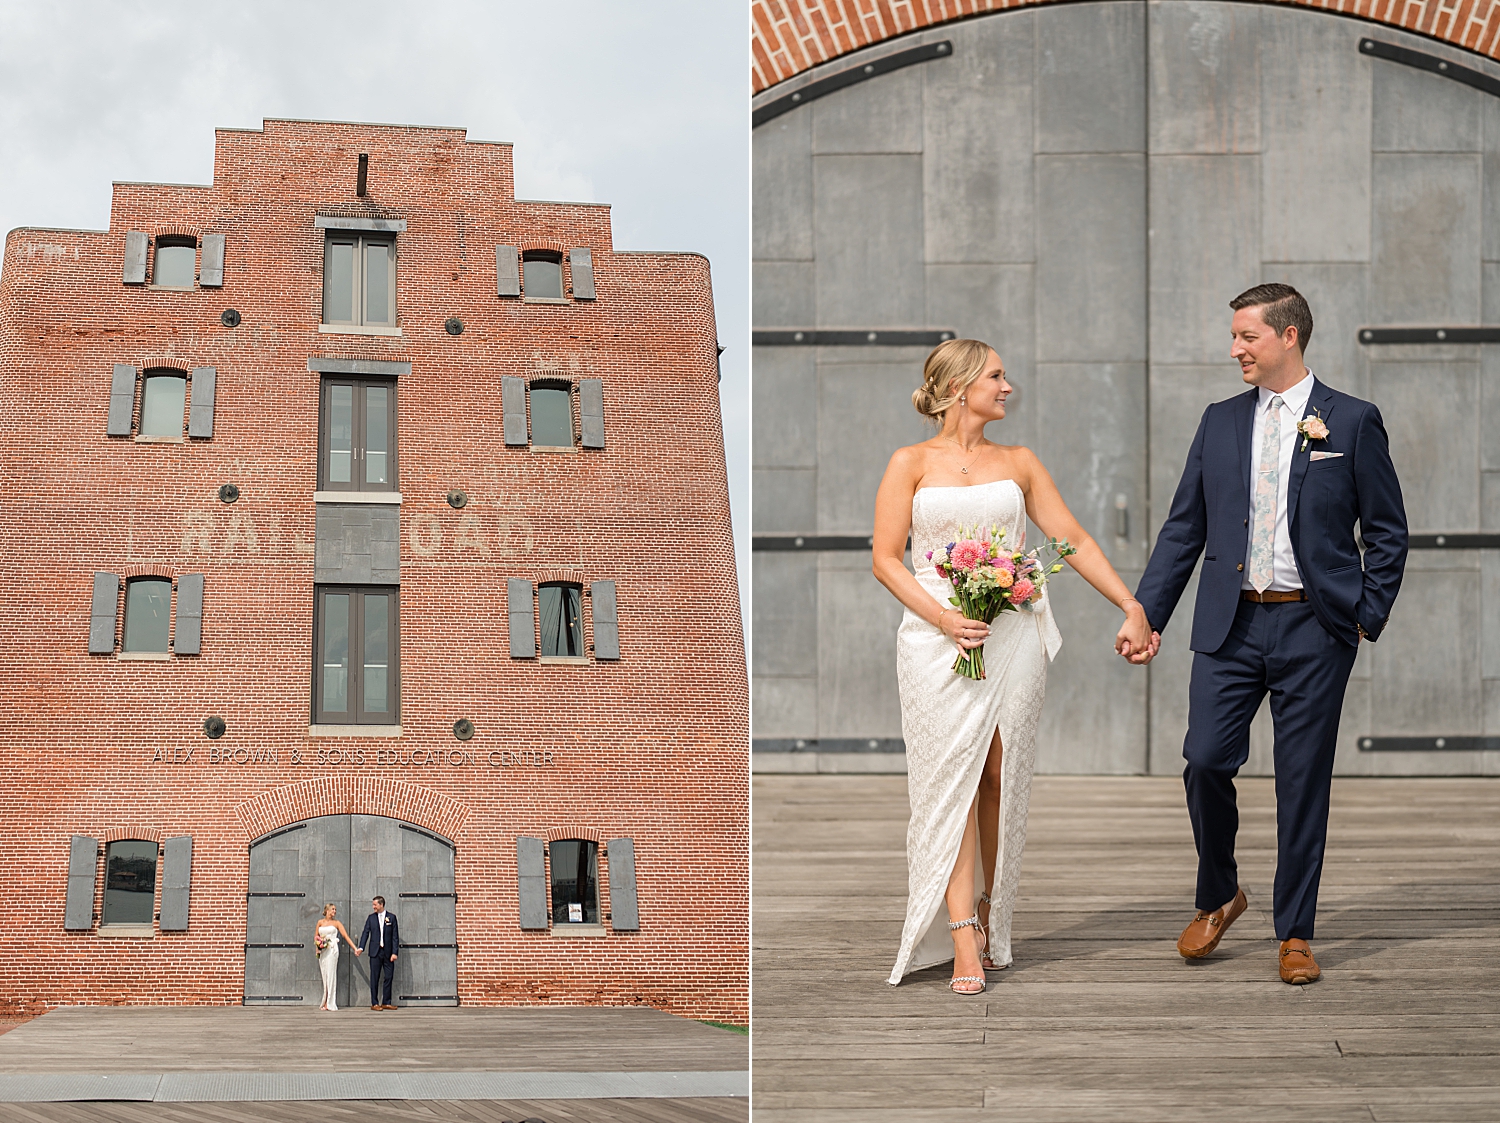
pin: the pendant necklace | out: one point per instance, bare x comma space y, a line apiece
965, 469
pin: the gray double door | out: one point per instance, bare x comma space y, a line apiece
345, 860
1092, 222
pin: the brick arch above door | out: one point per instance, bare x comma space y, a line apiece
790, 36
353, 795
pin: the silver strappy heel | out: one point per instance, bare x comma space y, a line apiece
954, 926
984, 952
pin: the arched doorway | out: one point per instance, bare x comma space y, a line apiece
347, 859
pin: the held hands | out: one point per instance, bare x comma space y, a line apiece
1136, 642
965, 633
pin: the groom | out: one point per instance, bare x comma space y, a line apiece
1275, 481
383, 935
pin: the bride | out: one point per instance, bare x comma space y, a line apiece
970, 746
329, 929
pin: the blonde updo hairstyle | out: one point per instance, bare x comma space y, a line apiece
329, 907
953, 366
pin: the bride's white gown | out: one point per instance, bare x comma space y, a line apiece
948, 721
328, 963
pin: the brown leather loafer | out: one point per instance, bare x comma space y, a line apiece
1297, 963
1207, 928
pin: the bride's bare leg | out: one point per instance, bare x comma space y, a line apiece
960, 900
989, 822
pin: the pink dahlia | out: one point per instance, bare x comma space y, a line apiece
966, 554
1021, 591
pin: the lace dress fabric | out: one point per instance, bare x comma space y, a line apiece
948, 721
328, 964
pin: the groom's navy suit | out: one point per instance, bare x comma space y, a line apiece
1299, 651
383, 950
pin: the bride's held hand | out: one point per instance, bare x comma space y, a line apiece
1135, 640
966, 633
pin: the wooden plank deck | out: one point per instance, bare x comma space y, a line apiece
1099, 1018
388, 1111
109, 1039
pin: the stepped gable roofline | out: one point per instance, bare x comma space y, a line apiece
407, 127
55, 230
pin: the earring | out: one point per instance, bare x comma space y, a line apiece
962, 401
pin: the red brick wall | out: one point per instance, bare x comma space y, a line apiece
654, 747
790, 36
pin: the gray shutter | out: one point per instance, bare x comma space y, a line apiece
201, 411
507, 271
624, 910
176, 873
106, 608
591, 409
83, 871
121, 401
606, 622
532, 882
211, 266
581, 263
135, 257
513, 407
520, 608
188, 638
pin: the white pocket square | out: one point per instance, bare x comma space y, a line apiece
1324, 455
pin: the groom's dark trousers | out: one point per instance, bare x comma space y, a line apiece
1300, 652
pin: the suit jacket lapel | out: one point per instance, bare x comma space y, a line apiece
1321, 400
1244, 420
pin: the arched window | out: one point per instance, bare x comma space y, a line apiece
163, 402
176, 261
575, 881
129, 882
560, 607
541, 275
551, 413
148, 613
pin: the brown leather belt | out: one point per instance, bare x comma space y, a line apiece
1272, 597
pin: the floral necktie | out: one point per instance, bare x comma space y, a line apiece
1263, 540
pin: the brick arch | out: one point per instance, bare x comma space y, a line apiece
543, 245
166, 362
147, 569
353, 795
125, 834
559, 834
178, 231
790, 36
570, 576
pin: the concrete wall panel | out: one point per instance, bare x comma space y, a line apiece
865, 414
1425, 268
1418, 111
784, 399
786, 500
1205, 78
1091, 259
857, 622
1205, 243
1431, 411
978, 124
784, 294
1091, 78
1426, 667
1315, 138
781, 210
868, 211
1338, 295
883, 114
786, 614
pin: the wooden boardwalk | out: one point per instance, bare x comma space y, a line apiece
217, 1041
1099, 1018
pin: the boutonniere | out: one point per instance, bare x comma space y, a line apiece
1312, 429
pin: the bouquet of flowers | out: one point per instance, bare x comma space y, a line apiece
987, 579
321, 943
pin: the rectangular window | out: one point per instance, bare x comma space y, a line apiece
356, 679
359, 279
148, 613
575, 881
129, 882
541, 276
551, 415
358, 435
163, 405
561, 610
175, 264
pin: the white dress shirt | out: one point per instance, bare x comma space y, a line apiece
1284, 575
380, 921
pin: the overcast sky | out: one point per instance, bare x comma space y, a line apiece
641, 104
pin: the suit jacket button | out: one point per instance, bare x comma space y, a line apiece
1240, 567
1247, 522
